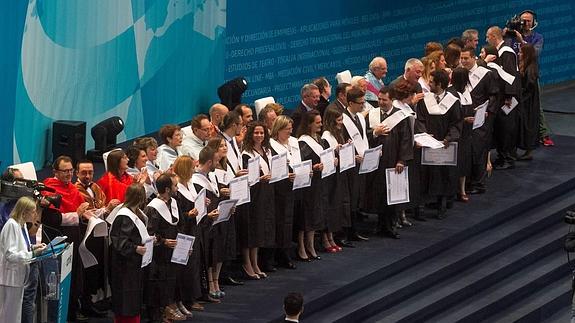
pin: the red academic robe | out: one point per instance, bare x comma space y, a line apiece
71, 197
114, 188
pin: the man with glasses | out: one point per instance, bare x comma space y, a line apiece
72, 209
193, 143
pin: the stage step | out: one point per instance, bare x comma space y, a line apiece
396, 291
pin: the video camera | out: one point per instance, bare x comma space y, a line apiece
13, 190
515, 24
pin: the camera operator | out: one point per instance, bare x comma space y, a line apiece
523, 33
9, 175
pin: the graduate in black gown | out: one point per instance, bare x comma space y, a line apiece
282, 142
258, 227
127, 236
311, 218
188, 279
483, 87
211, 236
163, 217
529, 129
460, 88
397, 147
338, 208
439, 182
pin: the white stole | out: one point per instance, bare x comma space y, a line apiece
331, 139
440, 108
293, 153
465, 97
141, 226
314, 145
210, 184
265, 168
477, 75
233, 160
508, 49
502, 73
360, 143
188, 194
160, 206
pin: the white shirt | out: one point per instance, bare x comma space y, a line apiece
191, 146
14, 255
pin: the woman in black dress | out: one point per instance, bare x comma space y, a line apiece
257, 223
530, 115
127, 235
188, 279
312, 215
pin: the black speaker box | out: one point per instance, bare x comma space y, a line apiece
69, 138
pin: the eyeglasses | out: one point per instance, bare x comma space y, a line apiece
69, 171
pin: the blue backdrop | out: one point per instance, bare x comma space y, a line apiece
153, 62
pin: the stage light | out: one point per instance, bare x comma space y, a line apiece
104, 134
230, 93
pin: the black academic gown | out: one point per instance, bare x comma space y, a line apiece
258, 228
322, 105
506, 126
126, 274
311, 216
188, 278
332, 199
464, 148
530, 113
229, 236
213, 237
161, 283
397, 146
284, 210
439, 181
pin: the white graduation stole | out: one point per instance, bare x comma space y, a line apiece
263, 164
508, 78
293, 153
440, 108
314, 145
360, 143
160, 206
374, 117
210, 184
477, 76
465, 97
188, 194
330, 139
233, 159
508, 49
141, 226
405, 107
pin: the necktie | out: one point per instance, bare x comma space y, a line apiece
358, 124
437, 98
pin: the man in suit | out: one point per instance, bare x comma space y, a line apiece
340, 101
412, 71
309, 100
293, 307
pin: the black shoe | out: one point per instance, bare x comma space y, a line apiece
269, 269
391, 234
298, 258
358, 237
79, 317
91, 311
504, 165
230, 281
345, 243
288, 265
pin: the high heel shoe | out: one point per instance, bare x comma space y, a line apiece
299, 258
463, 198
337, 248
184, 310
247, 276
262, 275
316, 257
330, 249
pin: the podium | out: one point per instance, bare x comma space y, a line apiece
54, 283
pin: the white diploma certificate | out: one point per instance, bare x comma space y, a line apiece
200, 205
327, 158
240, 189
254, 170
181, 252
480, 115
346, 157
397, 186
225, 209
426, 140
440, 156
508, 109
279, 168
302, 171
147, 257
370, 160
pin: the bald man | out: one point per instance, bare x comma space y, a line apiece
506, 125
217, 113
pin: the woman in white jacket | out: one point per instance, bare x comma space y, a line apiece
15, 255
